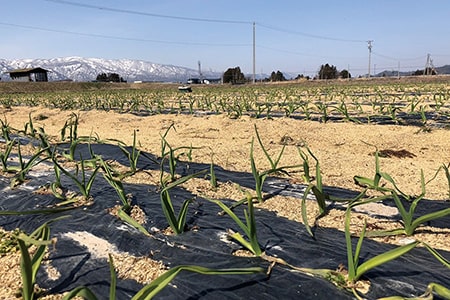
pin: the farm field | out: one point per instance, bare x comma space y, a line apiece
261, 140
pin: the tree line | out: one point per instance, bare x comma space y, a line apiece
109, 77
326, 71
236, 76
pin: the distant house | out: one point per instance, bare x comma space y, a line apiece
30, 74
204, 81
194, 81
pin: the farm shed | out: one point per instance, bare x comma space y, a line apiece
29, 74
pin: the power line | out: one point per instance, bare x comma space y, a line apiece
309, 34
396, 58
196, 19
302, 53
126, 11
385, 56
443, 55
121, 38
288, 51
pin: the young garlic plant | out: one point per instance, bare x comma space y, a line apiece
260, 176
249, 227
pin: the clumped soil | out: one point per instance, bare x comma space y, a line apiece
344, 149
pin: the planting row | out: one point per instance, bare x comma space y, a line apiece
69, 164
418, 104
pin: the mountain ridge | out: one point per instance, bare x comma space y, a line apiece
86, 69
82, 69
443, 70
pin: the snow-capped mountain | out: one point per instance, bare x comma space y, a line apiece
87, 69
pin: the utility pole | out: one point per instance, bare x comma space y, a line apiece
429, 67
200, 72
254, 53
369, 45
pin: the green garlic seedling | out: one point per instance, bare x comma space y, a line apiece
133, 155
212, 174
259, 176
31, 262
108, 174
24, 167
171, 155
356, 270
6, 131
409, 224
249, 227
72, 125
150, 290
84, 184
4, 157
317, 189
176, 222
375, 183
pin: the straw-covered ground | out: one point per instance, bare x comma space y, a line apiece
344, 149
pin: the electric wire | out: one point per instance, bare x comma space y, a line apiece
122, 38
126, 11
259, 24
287, 51
196, 19
396, 59
301, 53
309, 34
211, 44
262, 25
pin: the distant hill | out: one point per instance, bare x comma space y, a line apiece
87, 69
440, 71
443, 70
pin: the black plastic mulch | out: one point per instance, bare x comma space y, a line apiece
407, 276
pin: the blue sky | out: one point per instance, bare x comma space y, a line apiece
291, 36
